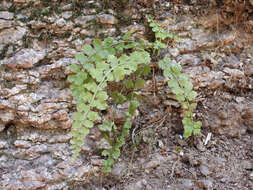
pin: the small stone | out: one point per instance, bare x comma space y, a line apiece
84, 21
34, 184
119, 169
246, 164
3, 144
234, 72
61, 22
107, 19
67, 15
135, 28
6, 15
187, 184
12, 35
139, 185
239, 99
174, 52
26, 58
205, 184
5, 24
224, 180
2, 127
251, 176
204, 170
22, 144
88, 33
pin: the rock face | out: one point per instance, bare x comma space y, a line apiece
38, 40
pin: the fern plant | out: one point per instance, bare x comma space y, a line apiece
160, 36
124, 62
182, 88
178, 82
101, 63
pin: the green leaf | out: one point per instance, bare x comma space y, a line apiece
88, 123
173, 83
139, 83
81, 58
74, 133
192, 95
86, 96
187, 86
109, 77
193, 106
161, 35
129, 84
183, 77
116, 154
188, 113
133, 105
127, 36
101, 105
92, 115
119, 48
78, 116
197, 125
84, 131
180, 98
146, 70
105, 153
104, 53
91, 86
118, 74
106, 126
131, 45
97, 45
102, 95
97, 74
164, 64
88, 66
74, 68
112, 60
102, 65
176, 68
127, 124
167, 73
88, 50
196, 131
77, 142
118, 97
187, 132
108, 42
77, 125
82, 107
161, 45
77, 78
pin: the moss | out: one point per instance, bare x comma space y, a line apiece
26, 41
3, 52
9, 84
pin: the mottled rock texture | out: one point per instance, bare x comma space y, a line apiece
38, 41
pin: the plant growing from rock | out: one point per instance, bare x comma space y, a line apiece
178, 82
102, 63
182, 88
123, 62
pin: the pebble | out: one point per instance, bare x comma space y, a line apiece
205, 184
204, 170
6, 15
119, 169
251, 176
107, 19
187, 184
